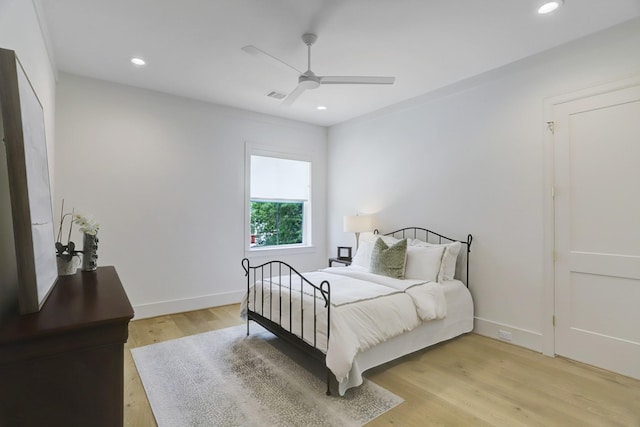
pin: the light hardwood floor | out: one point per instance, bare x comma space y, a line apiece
469, 381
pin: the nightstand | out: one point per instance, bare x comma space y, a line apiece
345, 261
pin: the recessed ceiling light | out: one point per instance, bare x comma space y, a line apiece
321, 107
549, 6
138, 61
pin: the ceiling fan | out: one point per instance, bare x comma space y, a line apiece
308, 79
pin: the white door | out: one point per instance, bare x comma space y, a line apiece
597, 230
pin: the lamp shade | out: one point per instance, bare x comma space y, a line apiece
358, 223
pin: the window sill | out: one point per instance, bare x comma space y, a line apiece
276, 251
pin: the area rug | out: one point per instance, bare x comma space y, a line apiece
224, 378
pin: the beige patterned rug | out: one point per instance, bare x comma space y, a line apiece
224, 378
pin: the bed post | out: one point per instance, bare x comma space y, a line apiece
326, 293
469, 239
245, 265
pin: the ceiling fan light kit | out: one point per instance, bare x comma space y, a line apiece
309, 80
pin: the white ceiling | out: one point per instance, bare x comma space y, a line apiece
193, 47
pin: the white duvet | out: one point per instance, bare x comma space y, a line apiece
366, 309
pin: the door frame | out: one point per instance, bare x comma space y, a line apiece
548, 297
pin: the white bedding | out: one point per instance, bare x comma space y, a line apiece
459, 320
367, 309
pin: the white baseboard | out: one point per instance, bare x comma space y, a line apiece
518, 336
162, 308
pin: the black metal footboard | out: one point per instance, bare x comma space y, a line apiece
275, 287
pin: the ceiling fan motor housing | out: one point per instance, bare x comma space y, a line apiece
309, 80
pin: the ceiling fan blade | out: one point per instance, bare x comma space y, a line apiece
254, 51
356, 80
294, 95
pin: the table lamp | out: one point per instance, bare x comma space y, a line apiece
357, 224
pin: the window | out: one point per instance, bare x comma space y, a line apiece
279, 202
276, 223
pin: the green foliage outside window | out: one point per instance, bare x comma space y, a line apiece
276, 223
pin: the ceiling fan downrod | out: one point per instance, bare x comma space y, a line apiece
309, 39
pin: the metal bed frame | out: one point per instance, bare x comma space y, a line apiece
266, 271
321, 294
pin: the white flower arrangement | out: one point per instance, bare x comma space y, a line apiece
87, 224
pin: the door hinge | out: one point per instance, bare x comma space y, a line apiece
555, 257
551, 127
553, 320
553, 191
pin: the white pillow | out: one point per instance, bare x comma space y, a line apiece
366, 241
423, 262
362, 257
369, 236
449, 258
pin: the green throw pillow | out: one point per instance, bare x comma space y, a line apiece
389, 260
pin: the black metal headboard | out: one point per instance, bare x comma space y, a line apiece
429, 236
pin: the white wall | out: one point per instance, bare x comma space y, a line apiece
164, 176
20, 32
471, 159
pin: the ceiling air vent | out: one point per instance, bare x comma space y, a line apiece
276, 95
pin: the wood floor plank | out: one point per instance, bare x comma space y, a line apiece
469, 381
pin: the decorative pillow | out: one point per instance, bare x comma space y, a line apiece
423, 262
449, 258
389, 260
365, 245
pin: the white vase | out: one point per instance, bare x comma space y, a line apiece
67, 267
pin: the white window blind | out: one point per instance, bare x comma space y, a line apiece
279, 179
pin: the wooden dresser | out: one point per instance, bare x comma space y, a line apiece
63, 366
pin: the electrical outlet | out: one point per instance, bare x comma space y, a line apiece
504, 335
